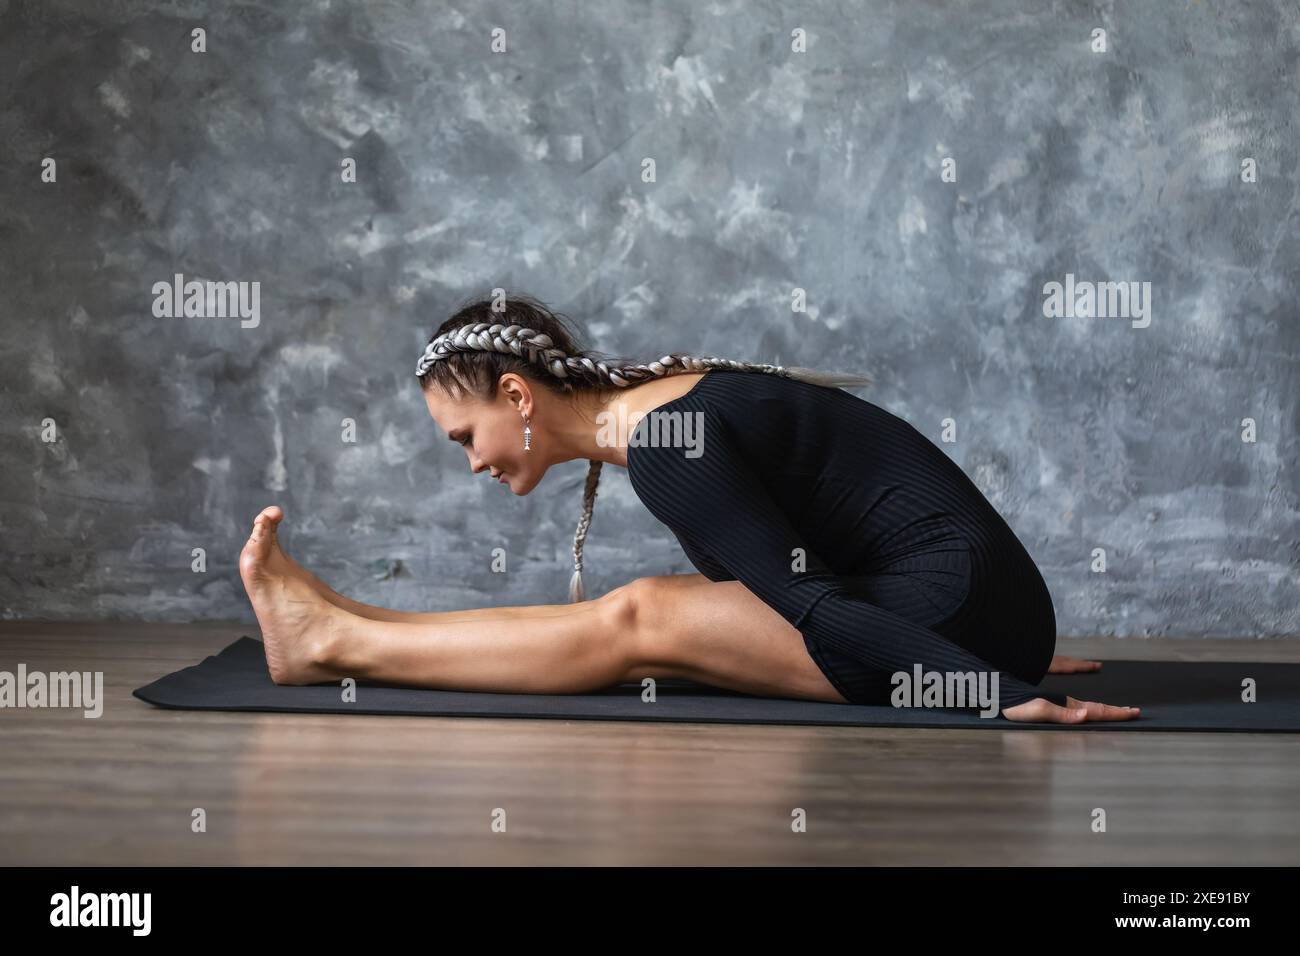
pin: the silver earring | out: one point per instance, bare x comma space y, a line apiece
528, 436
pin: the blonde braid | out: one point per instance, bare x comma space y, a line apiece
538, 348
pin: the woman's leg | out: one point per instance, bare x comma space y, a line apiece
673, 626
721, 633
548, 649
669, 626
273, 516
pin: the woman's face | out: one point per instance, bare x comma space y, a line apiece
492, 434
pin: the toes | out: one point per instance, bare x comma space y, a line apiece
262, 539
270, 516
266, 522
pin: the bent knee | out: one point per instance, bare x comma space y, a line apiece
654, 612
633, 601
651, 610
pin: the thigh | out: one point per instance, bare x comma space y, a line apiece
1002, 621
720, 633
929, 587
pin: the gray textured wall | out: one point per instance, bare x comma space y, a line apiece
775, 170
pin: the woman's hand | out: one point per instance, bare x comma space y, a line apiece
1072, 665
1043, 711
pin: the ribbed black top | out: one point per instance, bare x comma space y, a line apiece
789, 465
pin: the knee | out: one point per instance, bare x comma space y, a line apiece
635, 608
623, 604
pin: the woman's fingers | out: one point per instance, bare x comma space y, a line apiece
1099, 711
1072, 665
1042, 710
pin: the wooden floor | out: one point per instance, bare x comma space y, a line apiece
333, 789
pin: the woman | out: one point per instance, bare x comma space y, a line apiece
838, 547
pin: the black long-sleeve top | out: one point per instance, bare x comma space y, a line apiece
789, 465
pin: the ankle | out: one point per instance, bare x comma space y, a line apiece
330, 647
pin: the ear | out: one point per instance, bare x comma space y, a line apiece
517, 392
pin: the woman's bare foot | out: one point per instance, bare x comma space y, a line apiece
298, 624
1043, 711
282, 563
1072, 665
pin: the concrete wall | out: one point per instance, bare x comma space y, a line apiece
819, 170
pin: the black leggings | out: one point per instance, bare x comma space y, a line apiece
996, 607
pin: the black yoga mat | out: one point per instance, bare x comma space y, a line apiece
1173, 695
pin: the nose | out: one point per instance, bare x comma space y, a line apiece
477, 467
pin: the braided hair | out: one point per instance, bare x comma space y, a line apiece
469, 353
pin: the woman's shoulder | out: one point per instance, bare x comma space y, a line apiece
767, 386
727, 393
754, 405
